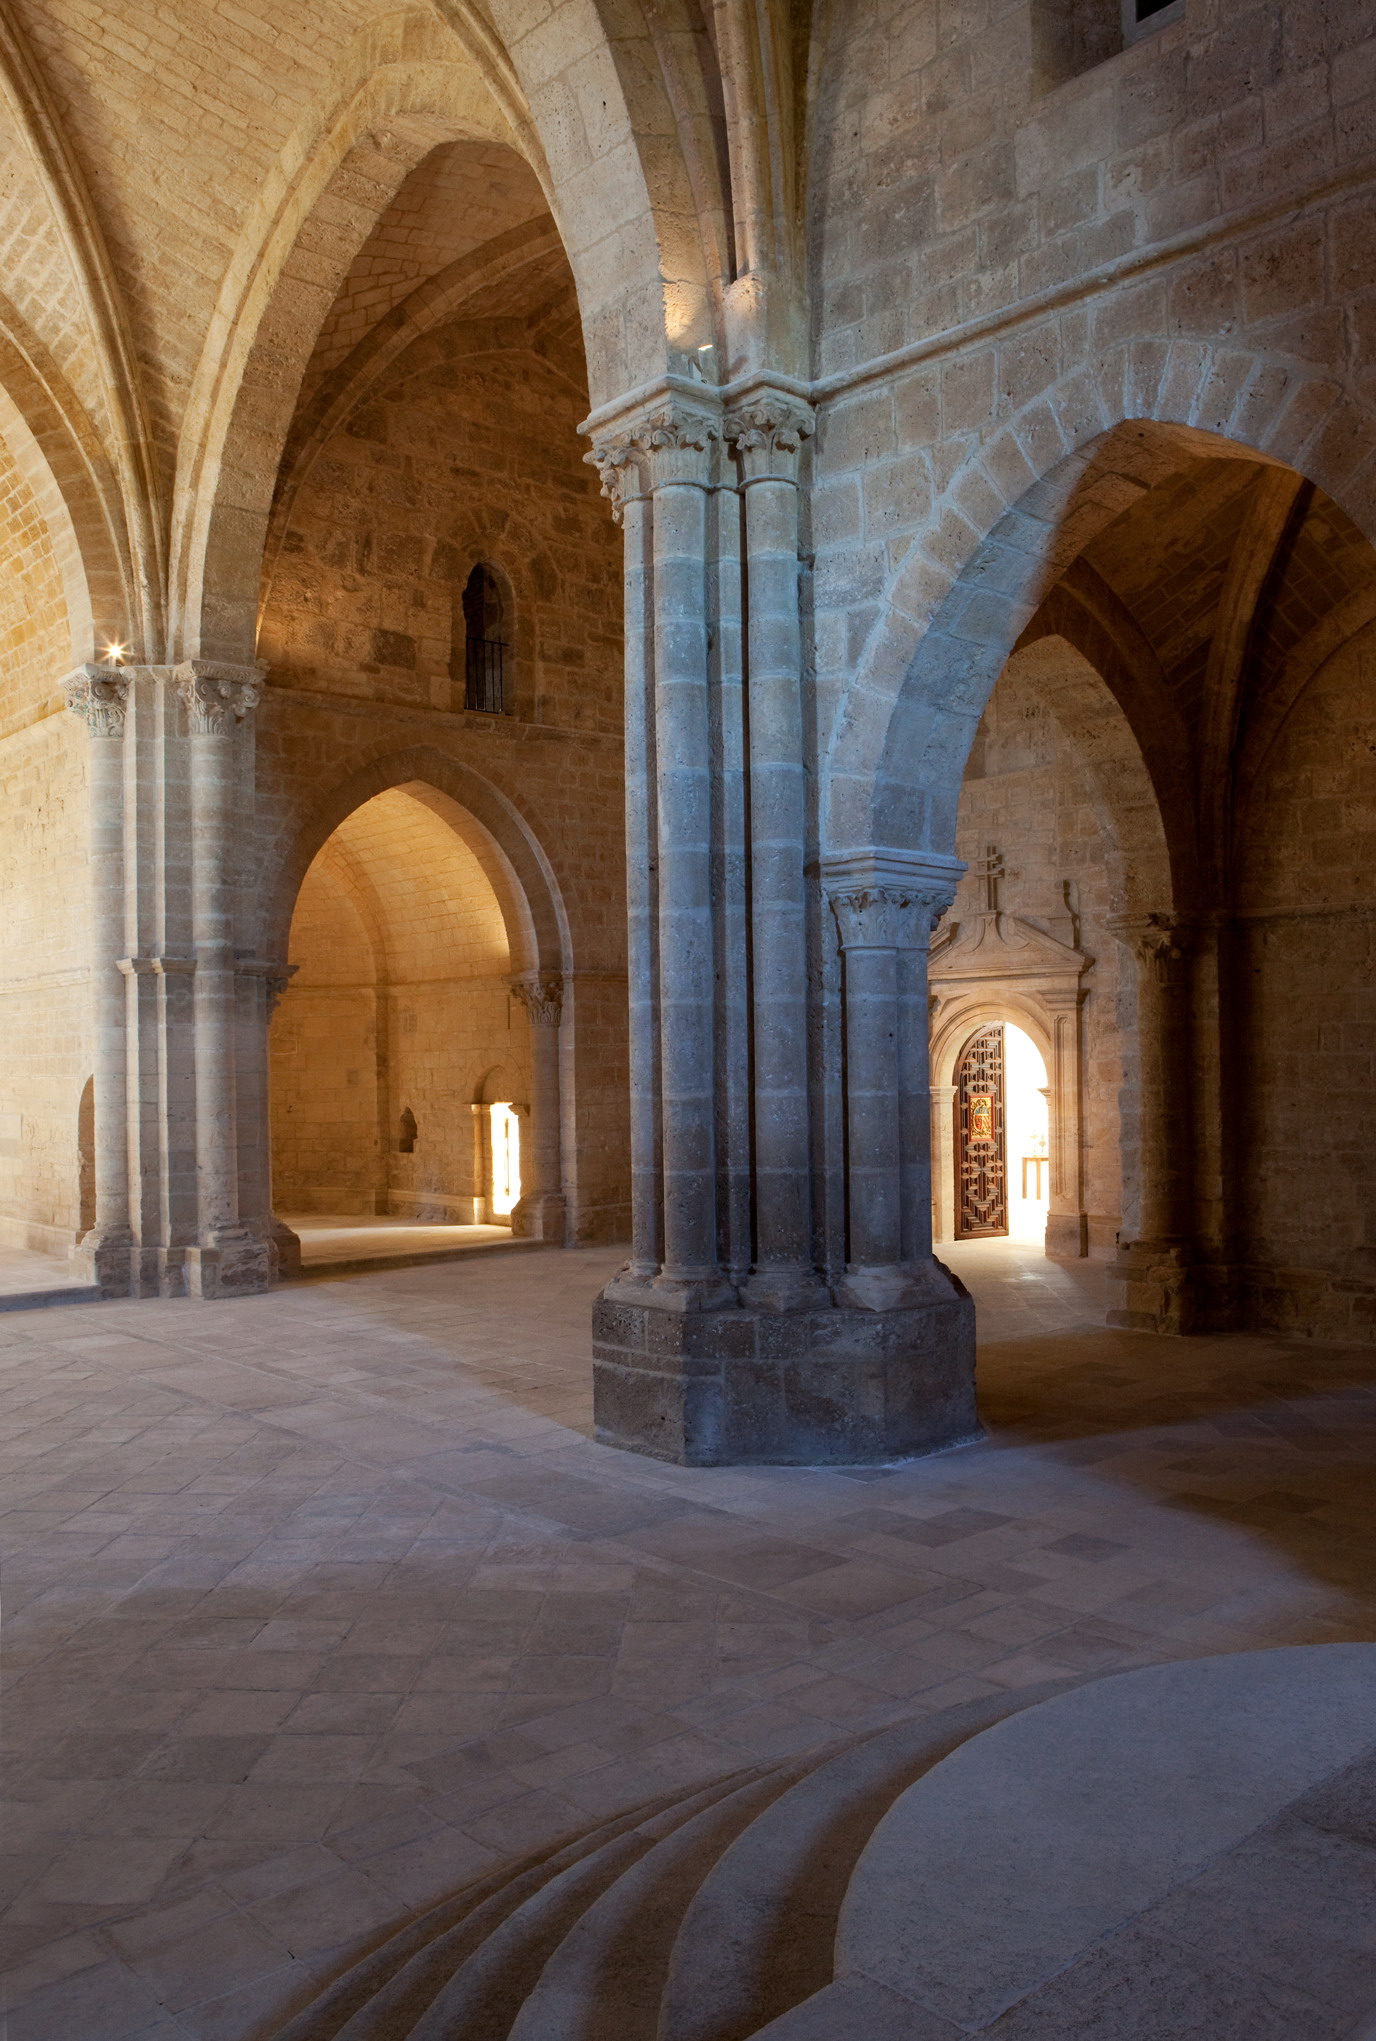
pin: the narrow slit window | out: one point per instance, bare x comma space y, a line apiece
485, 648
506, 1159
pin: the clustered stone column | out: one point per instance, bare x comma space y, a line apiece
742, 1327
225, 1256
1149, 1283
768, 439
100, 696
179, 1010
539, 1212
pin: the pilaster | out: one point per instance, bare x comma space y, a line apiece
1151, 1286
539, 1213
99, 695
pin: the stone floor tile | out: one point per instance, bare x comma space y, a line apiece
328, 1912
103, 2003
226, 1583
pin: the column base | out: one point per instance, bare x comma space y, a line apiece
838, 1386
1067, 1235
783, 1290
539, 1217
287, 1247
238, 1266
108, 1261
1150, 1288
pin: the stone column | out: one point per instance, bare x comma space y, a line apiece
885, 908
767, 435
100, 695
1149, 1283
226, 1259
630, 498
261, 985
679, 460
539, 1213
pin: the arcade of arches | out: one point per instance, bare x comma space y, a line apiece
1051, 634
731, 646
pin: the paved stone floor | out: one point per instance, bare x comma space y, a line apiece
320, 1603
26, 1273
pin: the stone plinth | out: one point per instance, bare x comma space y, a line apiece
836, 1386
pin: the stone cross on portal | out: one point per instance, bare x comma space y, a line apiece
990, 869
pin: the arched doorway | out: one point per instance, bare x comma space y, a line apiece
1000, 1137
402, 1028
995, 1117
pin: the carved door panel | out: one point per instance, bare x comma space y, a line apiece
981, 1164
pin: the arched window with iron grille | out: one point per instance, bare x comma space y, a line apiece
484, 644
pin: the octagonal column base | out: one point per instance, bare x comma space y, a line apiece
836, 1386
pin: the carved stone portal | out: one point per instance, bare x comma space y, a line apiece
998, 967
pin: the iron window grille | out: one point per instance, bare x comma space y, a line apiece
485, 675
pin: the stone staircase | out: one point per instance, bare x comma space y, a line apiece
987, 1869
700, 1917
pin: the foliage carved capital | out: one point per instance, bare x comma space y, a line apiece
100, 696
218, 696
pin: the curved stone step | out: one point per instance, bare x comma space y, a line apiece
1047, 1864
483, 1993
607, 1975
757, 1937
397, 1979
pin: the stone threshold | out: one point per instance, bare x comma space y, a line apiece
367, 1264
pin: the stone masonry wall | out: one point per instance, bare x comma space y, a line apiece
43, 981
469, 453
1307, 988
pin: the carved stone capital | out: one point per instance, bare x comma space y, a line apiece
671, 441
541, 993
889, 899
218, 696
767, 430
1158, 941
883, 918
276, 978
100, 696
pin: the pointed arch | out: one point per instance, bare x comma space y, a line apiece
1019, 510
498, 835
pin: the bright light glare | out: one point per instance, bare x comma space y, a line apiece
115, 652
506, 1159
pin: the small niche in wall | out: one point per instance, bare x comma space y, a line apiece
406, 1144
1073, 36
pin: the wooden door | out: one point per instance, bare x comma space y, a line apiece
981, 1163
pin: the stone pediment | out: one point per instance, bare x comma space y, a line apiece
998, 945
